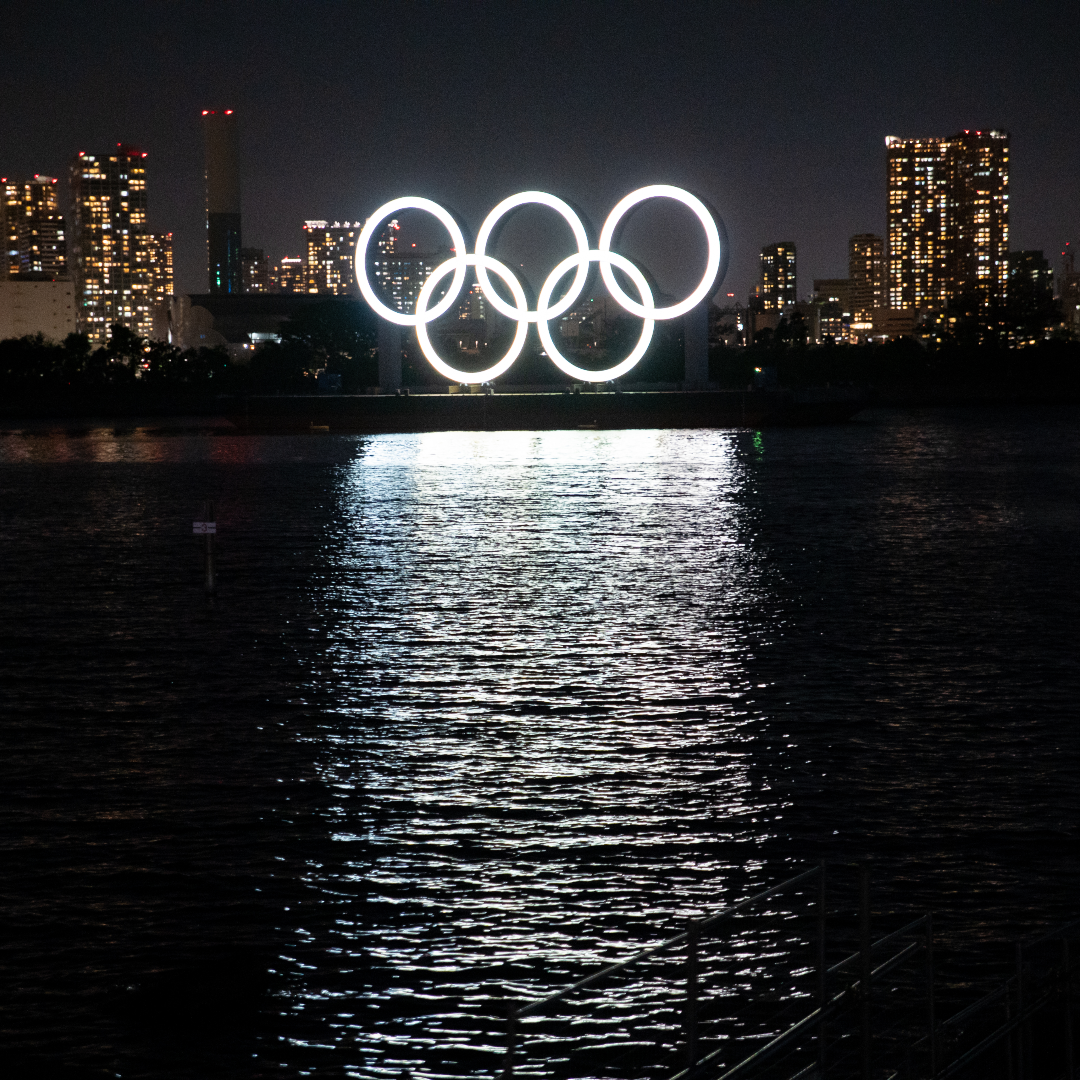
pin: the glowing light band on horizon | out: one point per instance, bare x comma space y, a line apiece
483, 263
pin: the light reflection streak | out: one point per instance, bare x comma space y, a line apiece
538, 748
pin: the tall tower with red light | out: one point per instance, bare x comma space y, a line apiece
223, 259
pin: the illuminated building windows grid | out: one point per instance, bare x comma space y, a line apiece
35, 236
122, 271
330, 254
778, 276
948, 232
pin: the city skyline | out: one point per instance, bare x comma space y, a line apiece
947, 240
333, 280
775, 114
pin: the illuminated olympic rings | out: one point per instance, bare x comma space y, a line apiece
519, 311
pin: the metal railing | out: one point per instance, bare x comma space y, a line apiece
689, 941
1039, 983
871, 1015
691, 938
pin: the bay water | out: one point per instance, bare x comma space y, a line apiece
474, 713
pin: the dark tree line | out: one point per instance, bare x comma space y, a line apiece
336, 336
34, 367
1051, 366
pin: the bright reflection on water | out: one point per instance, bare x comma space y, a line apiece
538, 748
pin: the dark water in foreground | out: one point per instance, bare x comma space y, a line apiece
465, 700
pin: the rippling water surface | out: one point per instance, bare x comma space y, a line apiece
473, 713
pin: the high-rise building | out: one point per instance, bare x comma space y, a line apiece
400, 276
223, 258
1032, 308
289, 276
834, 291
1069, 281
948, 217
331, 250
35, 236
121, 270
832, 297
157, 253
9, 217
587, 323
778, 275
472, 307
866, 271
1069, 291
1030, 276
255, 270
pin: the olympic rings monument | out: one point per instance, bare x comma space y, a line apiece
392, 409
693, 309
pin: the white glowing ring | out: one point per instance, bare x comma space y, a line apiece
512, 203
605, 259
423, 317
712, 264
458, 263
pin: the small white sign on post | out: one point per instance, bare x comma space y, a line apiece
204, 528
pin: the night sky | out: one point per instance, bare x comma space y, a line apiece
776, 112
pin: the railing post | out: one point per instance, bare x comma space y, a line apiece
866, 967
1068, 1010
511, 1042
1010, 1040
693, 938
1020, 1055
208, 557
930, 993
823, 988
